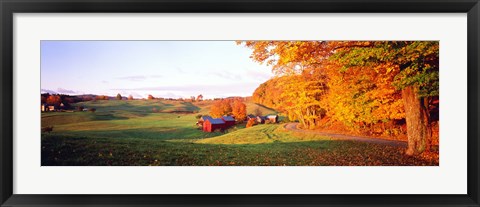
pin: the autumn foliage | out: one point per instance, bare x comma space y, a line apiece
239, 110
224, 107
362, 85
200, 97
54, 100
250, 123
101, 97
221, 108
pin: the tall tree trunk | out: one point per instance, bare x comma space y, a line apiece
301, 119
426, 112
415, 116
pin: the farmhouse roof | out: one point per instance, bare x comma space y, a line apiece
272, 116
204, 118
216, 121
228, 118
251, 116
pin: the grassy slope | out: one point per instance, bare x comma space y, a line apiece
128, 133
134, 119
139, 106
265, 133
128, 119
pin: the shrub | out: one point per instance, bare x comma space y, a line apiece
47, 129
92, 110
284, 119
87, 98
154, 109
54, 100
250, 123
101, 97
198, 116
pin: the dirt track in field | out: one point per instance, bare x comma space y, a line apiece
293, 127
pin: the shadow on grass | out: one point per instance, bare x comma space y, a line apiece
107, 117
190, 107
271, 109
72, 151
143, 133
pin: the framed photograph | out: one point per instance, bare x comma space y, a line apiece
237, 103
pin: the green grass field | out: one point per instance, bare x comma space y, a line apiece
130, 133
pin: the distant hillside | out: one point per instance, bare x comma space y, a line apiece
145, 106
164, 106
251, 107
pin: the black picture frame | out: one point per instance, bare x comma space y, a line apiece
9, 7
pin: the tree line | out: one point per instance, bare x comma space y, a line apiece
225, 107
360, 84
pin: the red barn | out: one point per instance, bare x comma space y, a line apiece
229, 121
210, 124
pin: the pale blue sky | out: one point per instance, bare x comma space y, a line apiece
168, 69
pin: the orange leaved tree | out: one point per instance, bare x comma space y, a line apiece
239, 110
220, 108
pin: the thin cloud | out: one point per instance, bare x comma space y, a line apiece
48, 91
136, 95
59, 91
226, 75
65, 91
139, 77
188, 87
211, 91
133, 78
180, 70
257, 75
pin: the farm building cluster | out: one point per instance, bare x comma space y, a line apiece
63, 108
209, 124
263, 119
47, 107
